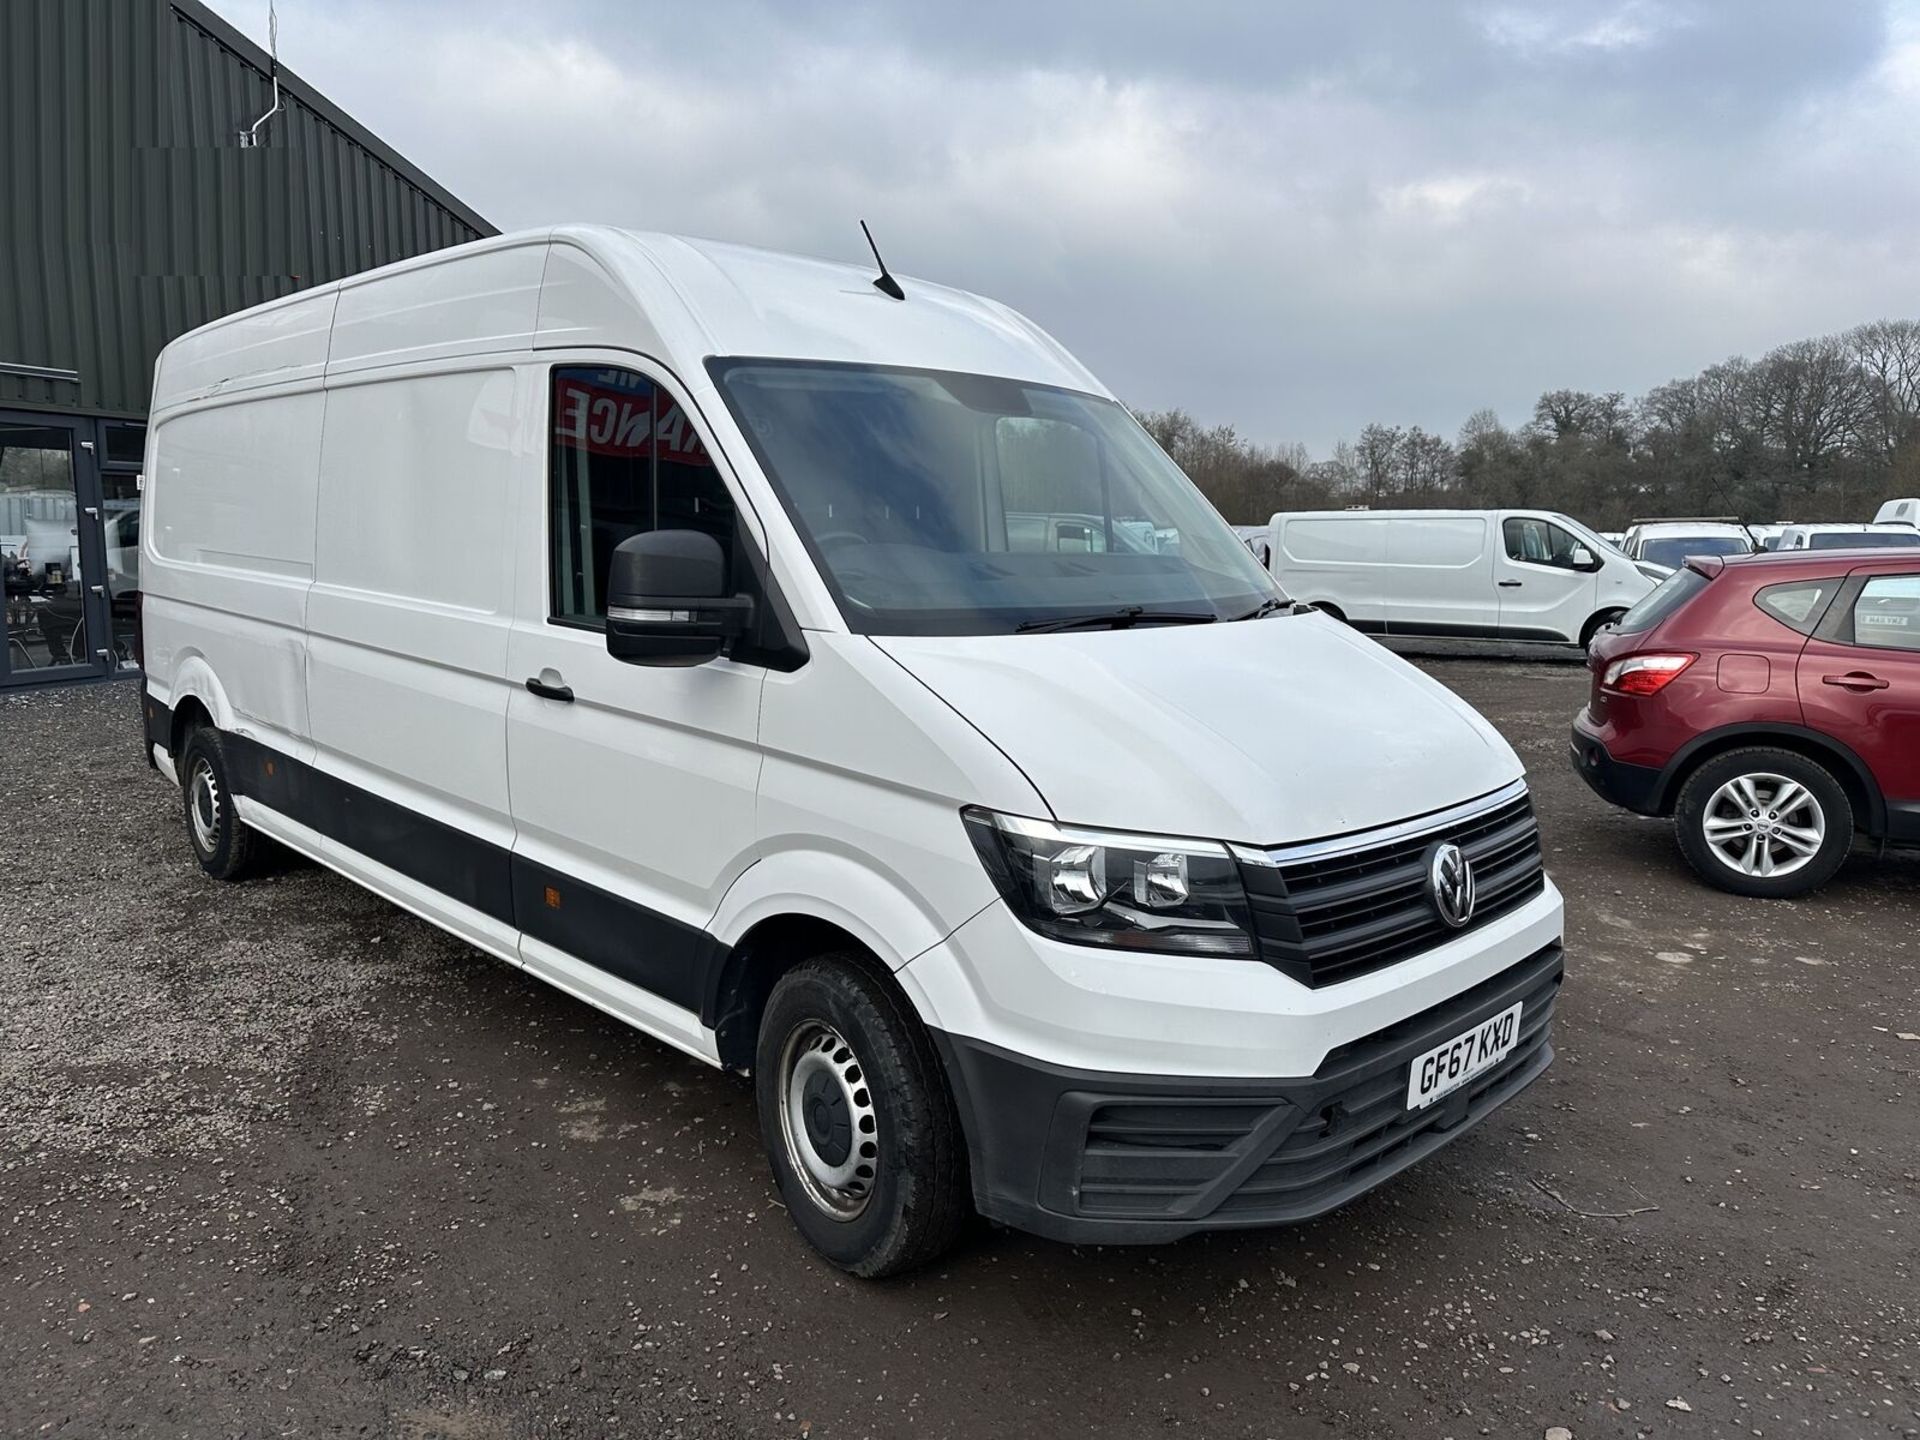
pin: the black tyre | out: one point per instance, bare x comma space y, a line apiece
1764, 822
858, 1120
226, 847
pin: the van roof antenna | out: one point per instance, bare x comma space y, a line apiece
884, 282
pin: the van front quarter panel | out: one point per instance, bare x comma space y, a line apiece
859, 818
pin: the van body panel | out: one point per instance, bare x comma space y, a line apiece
1898, 512
280, 343
874, 800
583, 305
225, 577
644, 785
1336, 560
1437, 576
473, 303
237, 453
634, 803
408, 615
711, 298
1543, 602
1219, 732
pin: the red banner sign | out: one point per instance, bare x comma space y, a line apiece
608, 420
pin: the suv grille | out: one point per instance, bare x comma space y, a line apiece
1328, 919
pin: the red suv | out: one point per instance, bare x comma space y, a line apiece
1771, 705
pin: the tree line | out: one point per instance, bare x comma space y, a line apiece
1816, 430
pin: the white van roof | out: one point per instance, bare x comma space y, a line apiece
1687, 529
678, 299
1842, 527
1408, 514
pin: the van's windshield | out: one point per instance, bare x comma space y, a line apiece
940, 503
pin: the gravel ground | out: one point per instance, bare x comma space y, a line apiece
278, 1159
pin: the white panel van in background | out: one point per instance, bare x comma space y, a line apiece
1899, 512
1471, 574
844, 689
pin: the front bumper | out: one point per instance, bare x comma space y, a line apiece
1097, 1157
1632, 787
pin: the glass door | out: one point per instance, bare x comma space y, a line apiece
48, 548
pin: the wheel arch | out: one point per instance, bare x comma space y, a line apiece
744, 980
197, 698
1863, 791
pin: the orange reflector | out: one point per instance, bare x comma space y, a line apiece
553, 898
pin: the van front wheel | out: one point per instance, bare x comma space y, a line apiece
858, 1121
226, 847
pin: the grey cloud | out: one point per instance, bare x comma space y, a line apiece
1296, 218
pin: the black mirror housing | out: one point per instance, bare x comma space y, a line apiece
667, 602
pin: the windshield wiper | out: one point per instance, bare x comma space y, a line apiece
1267, 607
1124, 618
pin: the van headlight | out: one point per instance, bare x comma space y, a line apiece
1127, 892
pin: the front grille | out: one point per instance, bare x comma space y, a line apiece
1327, 919
1290, 1150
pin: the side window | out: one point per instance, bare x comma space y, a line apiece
1537, 542
1887, 614
1798, 604
624, 459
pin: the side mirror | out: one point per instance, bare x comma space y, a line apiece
1585, 559
666, 600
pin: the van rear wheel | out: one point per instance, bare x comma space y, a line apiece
224, 844
1597, 624
858, 1121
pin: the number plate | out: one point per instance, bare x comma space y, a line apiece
1445, 1068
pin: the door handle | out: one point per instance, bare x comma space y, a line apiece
1855, 680
562, 693
1509, 584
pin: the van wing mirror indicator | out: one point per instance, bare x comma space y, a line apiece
667, 602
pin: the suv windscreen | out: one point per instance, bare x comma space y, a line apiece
1671, 593
1673, 551
941, 503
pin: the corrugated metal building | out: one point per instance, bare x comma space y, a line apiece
131, 211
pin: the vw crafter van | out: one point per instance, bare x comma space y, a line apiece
669, 619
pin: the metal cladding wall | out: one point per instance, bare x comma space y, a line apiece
129, 213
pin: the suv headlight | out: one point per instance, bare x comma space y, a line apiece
1127, 892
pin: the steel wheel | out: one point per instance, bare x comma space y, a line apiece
204, 806
827, 1119
1764, 825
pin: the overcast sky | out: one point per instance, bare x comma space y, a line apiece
1294, 218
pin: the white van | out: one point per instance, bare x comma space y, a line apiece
1660, 547
1475, 574
1898, 512
647, 613
1840, 536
